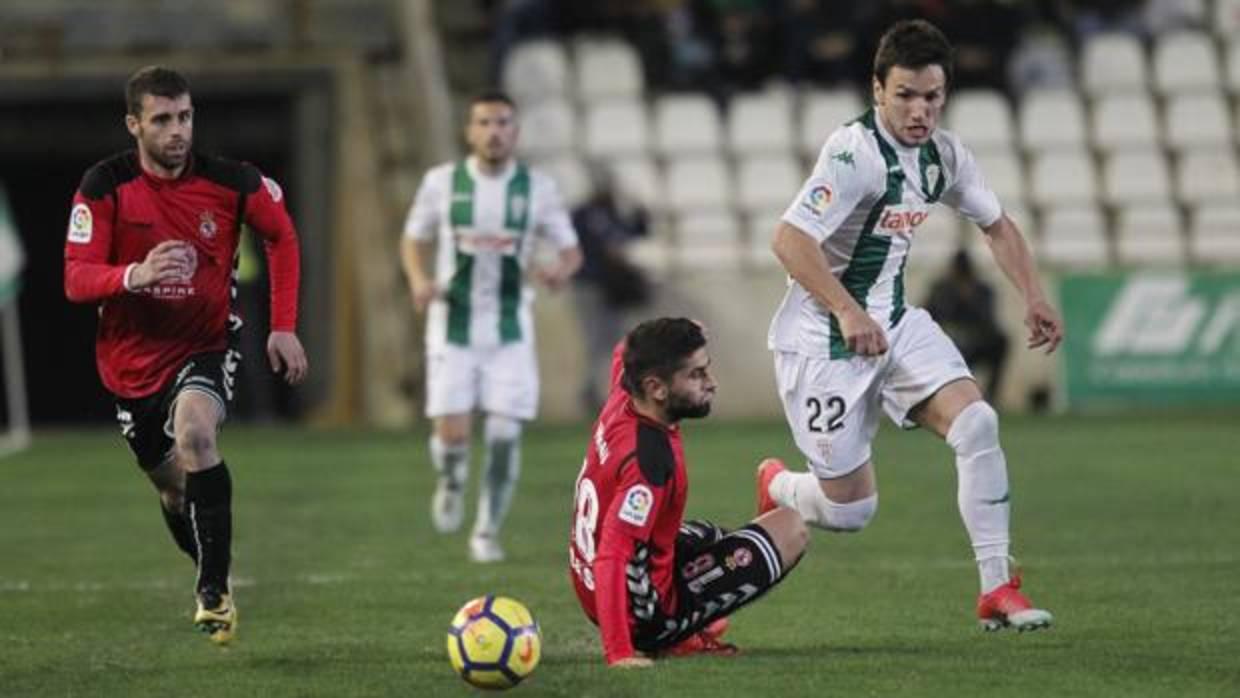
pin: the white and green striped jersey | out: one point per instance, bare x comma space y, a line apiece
863, 203
484, 226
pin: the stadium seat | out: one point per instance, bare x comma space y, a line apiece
1123, 121
1066, 177
616, 128
1215, 234
699, 183
570, 175
1074, 236
1198, 120
767, 182
760, 226
760, 123
821, 113
687, 123
1204, 176
536, 70
607, 68
938, 237
708, 240
548, 128
639, 180
1185, 61
1004, 174
1113, 62
983, 118
1051, 119
1136, 176
975, 240
1233, 65
1227, 18
1149, 235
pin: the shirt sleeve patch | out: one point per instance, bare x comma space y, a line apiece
637, 504
817, 199
81, 224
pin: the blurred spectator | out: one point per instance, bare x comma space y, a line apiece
1162, 16
984, 33
745, 43
1089, 17
821, 41
1042, 60
965, 307
608, 283
515, 21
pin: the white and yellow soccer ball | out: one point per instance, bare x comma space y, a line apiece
494, 642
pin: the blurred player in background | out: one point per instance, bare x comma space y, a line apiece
153, 240
657, 585
479, 216
845, 342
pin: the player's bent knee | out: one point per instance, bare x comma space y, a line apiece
975, 429
848, 517
196, 441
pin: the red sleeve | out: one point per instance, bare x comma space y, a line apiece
266, 215
617, 364
89, 275
629, 520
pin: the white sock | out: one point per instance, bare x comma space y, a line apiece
499, 480
982, 492
796, 491
451, 462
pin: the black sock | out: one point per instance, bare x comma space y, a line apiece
182, 532
208, 497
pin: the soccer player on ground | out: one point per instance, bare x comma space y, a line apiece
845, 342
481, 212
657, 585
153, 241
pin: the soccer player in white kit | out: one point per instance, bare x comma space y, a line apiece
480, 214
845, 342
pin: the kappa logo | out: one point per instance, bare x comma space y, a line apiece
637, 504
81, 224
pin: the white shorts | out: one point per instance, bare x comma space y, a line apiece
832, 406
500, 380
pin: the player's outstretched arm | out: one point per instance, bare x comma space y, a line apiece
1013, 257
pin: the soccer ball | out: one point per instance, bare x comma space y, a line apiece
494, 642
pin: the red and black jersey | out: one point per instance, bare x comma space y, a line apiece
629, 505
121, 211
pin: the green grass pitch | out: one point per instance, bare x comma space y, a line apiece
1128, 527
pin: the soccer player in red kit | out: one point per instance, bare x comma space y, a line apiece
657, 585
153, 241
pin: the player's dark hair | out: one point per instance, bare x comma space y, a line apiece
659, 347
488, 97
153, 80
913, 44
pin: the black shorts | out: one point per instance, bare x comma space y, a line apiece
146, 422
717, 572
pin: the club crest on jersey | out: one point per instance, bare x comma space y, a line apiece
900, 220
818, 199
932, 177
206, 225
637, 502
81, 224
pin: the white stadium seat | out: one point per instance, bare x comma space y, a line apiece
708, 240
1136, 176
975, 239
536, 70
639, 180
1227, 18
760, 226
1185, 61
760, 123
687, 123
699, 183
1214, 237
983, 118
1004, 174
1066, 177
1149, 235
1051, 119
938, 237
616, 128
607, 69
1198, 120
1204, 176
570, 174
1233, 64
1113, 62
824, 111
548, 128
767, 182
1125, 121
1074, 237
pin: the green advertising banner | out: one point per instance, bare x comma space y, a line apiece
1151, 338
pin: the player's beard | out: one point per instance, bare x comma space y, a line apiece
167, 160
680, 407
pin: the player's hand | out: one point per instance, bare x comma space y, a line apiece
637, 661
862, 334
551, 277
168, 261
1045, 326
287, 356
422, 292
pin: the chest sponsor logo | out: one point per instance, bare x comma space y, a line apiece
900, 220
273, 189
206, 225
637, 504
818, 199
474, 241
81, 224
